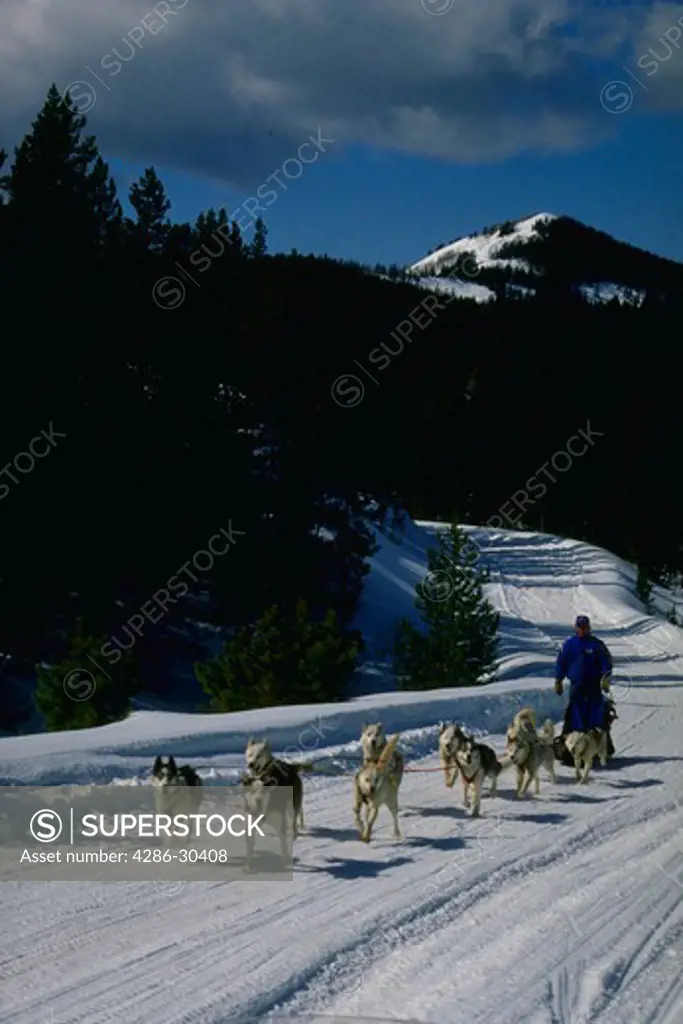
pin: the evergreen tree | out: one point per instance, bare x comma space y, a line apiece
284, 658
672, 617
151, 204
644, 588
259, 245
460, 645
77, 694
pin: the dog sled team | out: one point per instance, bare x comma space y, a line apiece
583, 660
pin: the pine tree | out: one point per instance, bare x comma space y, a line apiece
259, 245
151, 204
672, 617
77, 694
644, 588
282, 659
460, 645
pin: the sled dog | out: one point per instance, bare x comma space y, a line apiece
523, 722
584, 747
177, 790
476, 762
373, 742
264, 772
530, 751
376, 784
451, 739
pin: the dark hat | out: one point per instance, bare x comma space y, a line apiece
582, 621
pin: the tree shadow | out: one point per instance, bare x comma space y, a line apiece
444, 843
582, 798
345, 868
545, 818
627, 762
640, 784
344, 835
451, 811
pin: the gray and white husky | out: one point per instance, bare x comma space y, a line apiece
530, 751
376, 784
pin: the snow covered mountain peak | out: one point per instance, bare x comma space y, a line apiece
487, 247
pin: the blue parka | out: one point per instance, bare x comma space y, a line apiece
584, 660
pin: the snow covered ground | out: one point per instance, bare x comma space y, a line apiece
565, 908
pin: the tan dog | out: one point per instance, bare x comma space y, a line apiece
529, 752
584, 747
524, 721
375, 784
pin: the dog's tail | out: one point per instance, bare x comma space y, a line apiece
529, 714
505, 762
304, 766
386, 754
547, 731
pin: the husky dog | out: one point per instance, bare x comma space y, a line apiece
264, 772
376, 784
523, 722
584, 747
373, 742
178, 790
476, 762
451, 739
529, 752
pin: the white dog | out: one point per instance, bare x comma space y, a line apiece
451, 740
584, 747
376, 784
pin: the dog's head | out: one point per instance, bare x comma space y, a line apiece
468, 756
373, 740
451, 739
258, 755
547, 731
165, 771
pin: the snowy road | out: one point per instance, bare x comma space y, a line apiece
561, 909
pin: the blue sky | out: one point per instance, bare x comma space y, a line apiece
392, 208
443, 123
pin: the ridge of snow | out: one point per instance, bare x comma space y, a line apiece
485, 247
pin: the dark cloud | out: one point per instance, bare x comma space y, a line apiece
231, 88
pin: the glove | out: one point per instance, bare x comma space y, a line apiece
605, 683
558, 687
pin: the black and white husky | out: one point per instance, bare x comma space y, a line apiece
477, 762
177, 790
451, 740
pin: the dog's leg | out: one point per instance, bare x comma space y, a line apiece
520, 780
393, 809
494, 784
371, 819
356, 811
528, 777
478, 780
537, 780
603, 750
465, 793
